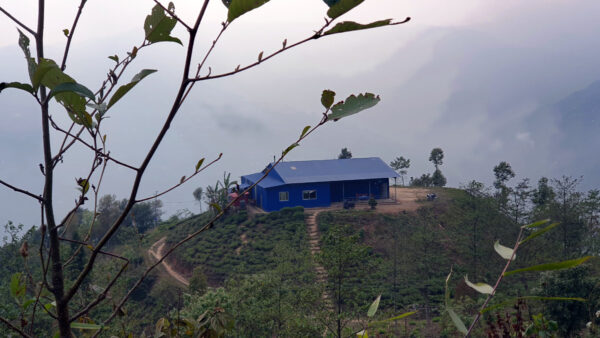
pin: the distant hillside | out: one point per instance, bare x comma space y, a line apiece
237, 244
408, 256
456, 230
571, 128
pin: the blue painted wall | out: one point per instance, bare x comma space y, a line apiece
271, 201
327, 192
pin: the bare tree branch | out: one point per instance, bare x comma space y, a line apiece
13, 327
37, 197
224, 26
181, 182
315, 36
167, 124
18, 22
95, 215
70, 37
209, 224
94, 149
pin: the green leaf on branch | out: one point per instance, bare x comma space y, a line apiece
238, 8
304, 131
17, 289
480, 287
504, 252
115, 58
457, 321
84, 185
353, 105
85, 326
45, 66
125, 88
66, 32
347, 26
327, 98
28, 302
330, 2
23, 86
49, 306
446, 293
24, 44
288, 149
551, 266
199, 164
513, 301
373, 307
182, 179
341, 7
536, 224
539, 232
404, 315
81, 118
216, 207
158, 25
49, 75
73, 87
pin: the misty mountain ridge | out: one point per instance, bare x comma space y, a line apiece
570, 127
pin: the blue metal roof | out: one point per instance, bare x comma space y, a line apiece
268, 182
326, 171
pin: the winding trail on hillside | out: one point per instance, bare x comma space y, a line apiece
401, 200
315, 248
157, 251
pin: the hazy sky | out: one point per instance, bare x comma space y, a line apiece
461, 75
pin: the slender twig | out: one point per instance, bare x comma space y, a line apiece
210, 223
489, 297
94, 149
70, 37
316, 35
113, 76
95, 215
56, 158
224, 26
13, 327
18, 22
45, 265
138, 178
181, 182
37, 197
103, 294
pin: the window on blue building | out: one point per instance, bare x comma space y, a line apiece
284, 196
309, 194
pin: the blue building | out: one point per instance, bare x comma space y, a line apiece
319, 183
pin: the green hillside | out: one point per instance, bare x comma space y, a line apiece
258, 269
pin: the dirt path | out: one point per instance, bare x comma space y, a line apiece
156, 251
401, 199
313, 238
407, 199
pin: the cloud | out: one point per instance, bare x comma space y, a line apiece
465, 77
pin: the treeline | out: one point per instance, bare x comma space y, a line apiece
256, 276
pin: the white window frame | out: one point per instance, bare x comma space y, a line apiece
287, 196
309, 192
